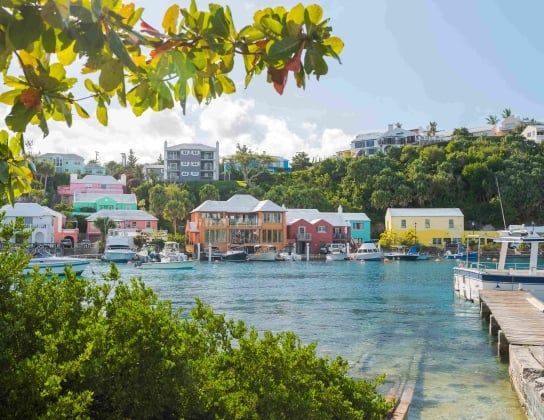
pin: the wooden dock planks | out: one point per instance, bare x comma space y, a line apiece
521, 321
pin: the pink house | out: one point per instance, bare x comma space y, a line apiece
48, 226
136, 220
97, 184
313, 234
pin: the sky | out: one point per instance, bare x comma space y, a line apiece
412, 62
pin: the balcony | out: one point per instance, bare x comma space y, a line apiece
304, 237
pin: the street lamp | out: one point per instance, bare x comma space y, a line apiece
415, 232
472, 228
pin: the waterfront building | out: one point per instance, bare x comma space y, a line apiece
154, 172
191, 162
48, 226
137, 220
432, 226
242, 220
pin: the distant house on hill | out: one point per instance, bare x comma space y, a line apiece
191, 162
534, 132
64, 162
88, 203
97, 184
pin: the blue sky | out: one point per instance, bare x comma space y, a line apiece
452, 62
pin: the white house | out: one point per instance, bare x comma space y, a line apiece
534, 132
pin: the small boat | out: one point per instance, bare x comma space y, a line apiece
288, 254
336, 255
213, 254
459, 253
470, 277
235, 254
263, 253
50, 264
368, 251
417, 250
400, 255
171, 258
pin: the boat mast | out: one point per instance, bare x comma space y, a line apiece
500, 202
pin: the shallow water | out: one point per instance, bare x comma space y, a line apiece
399, 318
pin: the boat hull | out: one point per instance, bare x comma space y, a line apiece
118, 256
56, 265
234, 256
168, 265
468, 282
263, 256
336, 256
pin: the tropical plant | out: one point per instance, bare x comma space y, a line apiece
192, 54
104, 224
506, 112
492, 120
250, 164
433, 129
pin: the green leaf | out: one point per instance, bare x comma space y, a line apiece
272, 25
111, 75
315, 63
49, 40
221, 26
102, 113
19, 117
25, 29
120, 51
80, 111
282, 49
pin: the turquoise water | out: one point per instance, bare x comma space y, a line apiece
399, 318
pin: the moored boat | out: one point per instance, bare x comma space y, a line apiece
263, 253
336, 255
470, 277
171, 258
367, 251
118, 247
50, 264
235, 254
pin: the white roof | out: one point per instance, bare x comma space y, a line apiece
96, 179
436, 212
122, 215
356, 216
238, 203
29, 210
92, 197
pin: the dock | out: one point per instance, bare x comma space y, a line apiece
516, 318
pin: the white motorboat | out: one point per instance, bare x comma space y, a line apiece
367, 251
171, 258
50, 264
263, 253
469, 277
336, 255
118, 247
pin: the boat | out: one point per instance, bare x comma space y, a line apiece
51, 264
367, 251
288, 254
118, 247
211, 253
400, 255
458, 252
336, 255
470, 277
263, 253
235, 254
417, 250
170, 258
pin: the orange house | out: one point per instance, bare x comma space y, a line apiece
242, 220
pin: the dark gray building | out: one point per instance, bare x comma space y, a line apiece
191, 162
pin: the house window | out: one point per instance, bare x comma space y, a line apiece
195, 152
148, 224
403, 224
450, 224
437, 241
195, 163
185, 174
322, 229
194, 173
184, 152
302, 230
358, 226
427, 223
184, 163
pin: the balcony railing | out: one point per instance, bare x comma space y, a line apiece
304, 237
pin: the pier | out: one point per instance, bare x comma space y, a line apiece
516, 318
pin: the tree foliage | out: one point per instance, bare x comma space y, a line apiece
76, 348
150, 68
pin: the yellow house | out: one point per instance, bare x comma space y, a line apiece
432, 227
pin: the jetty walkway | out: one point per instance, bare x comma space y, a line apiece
516, 318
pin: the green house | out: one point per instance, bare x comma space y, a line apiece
89, 203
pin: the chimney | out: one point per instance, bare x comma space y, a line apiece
389, 127
340, 209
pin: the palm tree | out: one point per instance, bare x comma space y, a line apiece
492, 120
104, 224
398, 125
431, 132
506, 112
